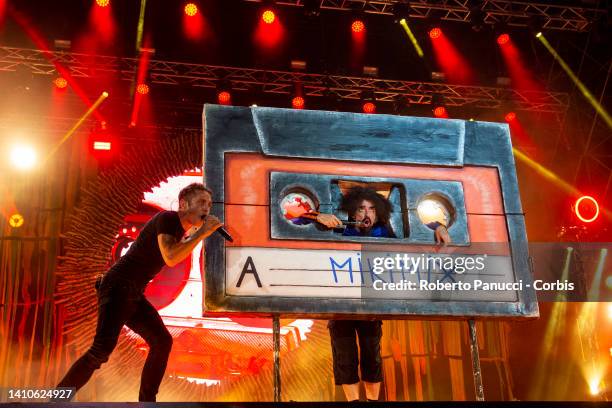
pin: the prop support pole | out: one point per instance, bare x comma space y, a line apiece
276, 339
476, 361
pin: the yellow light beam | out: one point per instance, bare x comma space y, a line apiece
546, 173
555, 330
140, 29
593, 295
549, 175
587, 94
413, 39
79, 122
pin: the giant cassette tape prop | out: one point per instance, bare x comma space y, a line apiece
257, 159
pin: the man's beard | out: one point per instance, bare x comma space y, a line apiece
366, 226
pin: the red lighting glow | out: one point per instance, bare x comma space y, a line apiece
369, 107
142, 89
268, 16
588, 205
297, 102
503, 39
191, 9
103, 3
435, 33
60, 83
357, 26
440, 112
510, 116
224, 98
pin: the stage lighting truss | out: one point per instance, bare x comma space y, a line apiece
555, 17
282, 82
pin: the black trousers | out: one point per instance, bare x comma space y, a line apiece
345, 356
119, 304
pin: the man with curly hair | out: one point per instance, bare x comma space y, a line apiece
370, 212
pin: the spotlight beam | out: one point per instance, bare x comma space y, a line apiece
78, 123
41, 44
413, 39
594, 291
140, 30
547, 174
583, 89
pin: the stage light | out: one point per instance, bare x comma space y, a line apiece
297, 102
142, 89
23, 157
581, 205
16, 220
401, 12
510, 116
594, 386
99, 145
503, 39
102, 3
312, 8
268, 16
369, 107
224, 98
357, 26
435, 33
191, 9
60, 83
440, 112
609, 307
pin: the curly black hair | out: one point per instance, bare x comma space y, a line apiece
353, 198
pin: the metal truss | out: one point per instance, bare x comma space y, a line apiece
283, 82
514, 13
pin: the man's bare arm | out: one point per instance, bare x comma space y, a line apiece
174, 251
329, 220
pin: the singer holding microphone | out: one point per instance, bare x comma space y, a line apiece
121, 300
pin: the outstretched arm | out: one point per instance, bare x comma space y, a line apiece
329, 220
174, 251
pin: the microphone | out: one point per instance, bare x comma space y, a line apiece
312, 216
223, 232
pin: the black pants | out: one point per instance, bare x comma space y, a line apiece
120, 303
346, 361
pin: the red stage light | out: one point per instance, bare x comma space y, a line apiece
435, 33
60, 83
369, 107
268, 16
503, 39
581, 209
440, 112
357, 26
102, 3
100, 145
510, 116
224, 98
142, 89
191, 9
297, 102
